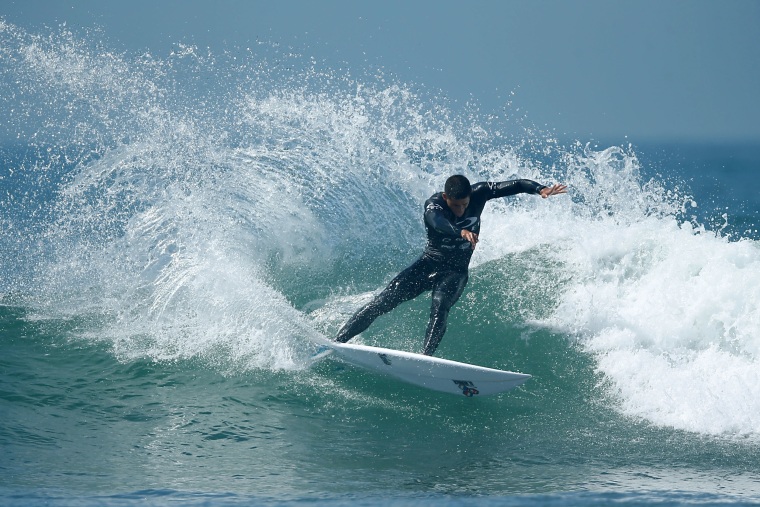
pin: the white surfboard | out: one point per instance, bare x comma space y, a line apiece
430, 372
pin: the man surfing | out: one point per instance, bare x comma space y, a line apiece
452, 222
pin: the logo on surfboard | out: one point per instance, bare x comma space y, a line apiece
467, 387
385, 359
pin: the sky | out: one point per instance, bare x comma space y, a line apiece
668, 70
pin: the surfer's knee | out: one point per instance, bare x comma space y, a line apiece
449, 292
441, 303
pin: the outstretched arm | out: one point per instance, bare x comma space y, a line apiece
522, 186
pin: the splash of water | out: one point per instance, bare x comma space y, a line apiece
184, 184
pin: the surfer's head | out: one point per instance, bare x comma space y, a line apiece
456, 193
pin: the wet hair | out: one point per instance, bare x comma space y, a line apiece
457, 187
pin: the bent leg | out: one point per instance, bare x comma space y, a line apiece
407, 285
445, 294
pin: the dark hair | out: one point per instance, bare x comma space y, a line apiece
457, 187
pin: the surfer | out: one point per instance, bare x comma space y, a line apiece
452, 221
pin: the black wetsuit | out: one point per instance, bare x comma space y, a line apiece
443, 265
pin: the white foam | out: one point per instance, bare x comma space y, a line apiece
670, 311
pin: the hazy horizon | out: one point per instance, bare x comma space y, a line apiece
590, 70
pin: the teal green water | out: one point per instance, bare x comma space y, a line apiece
77, 420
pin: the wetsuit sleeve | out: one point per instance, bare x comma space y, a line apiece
436, 220
512, 187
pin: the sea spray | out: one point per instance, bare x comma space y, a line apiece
173, 209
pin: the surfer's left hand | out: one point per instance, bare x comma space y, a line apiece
553, 190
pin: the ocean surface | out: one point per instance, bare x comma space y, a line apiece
176, 231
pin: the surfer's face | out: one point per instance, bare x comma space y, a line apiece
457, 206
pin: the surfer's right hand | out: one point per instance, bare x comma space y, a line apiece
471, 237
